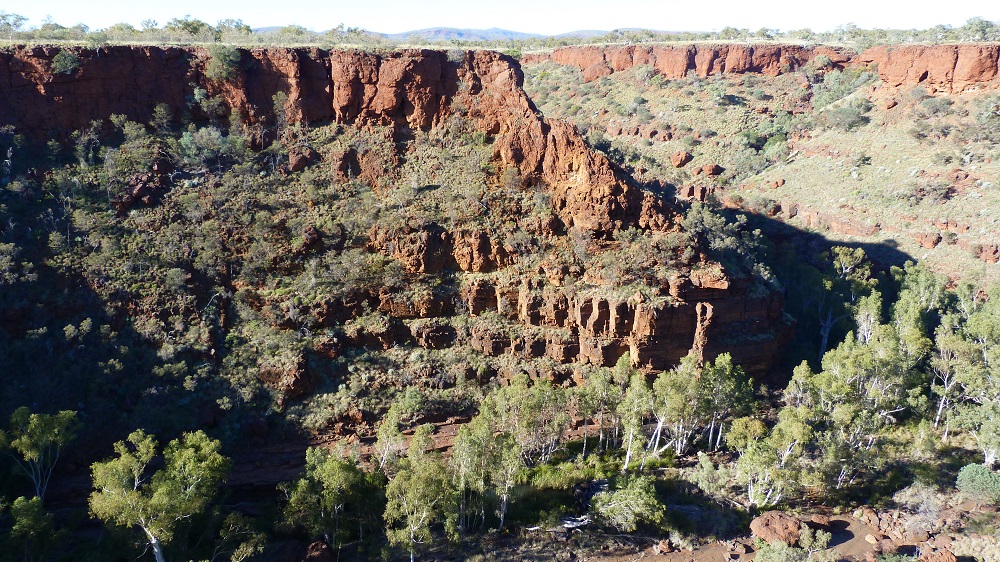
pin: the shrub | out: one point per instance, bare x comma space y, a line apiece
848, 117
838, 85
629, 506
65, 62
222, 62
979, 480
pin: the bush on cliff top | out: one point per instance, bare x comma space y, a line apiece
222, 62
65, 62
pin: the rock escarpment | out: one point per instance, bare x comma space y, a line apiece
420, 90
408, 90
676, 61
940, 68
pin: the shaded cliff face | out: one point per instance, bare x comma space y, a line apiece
420, 90
941, 68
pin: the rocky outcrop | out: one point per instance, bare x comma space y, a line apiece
775, 526
706, 60
286, 372
940, 68
705, 314
393, 95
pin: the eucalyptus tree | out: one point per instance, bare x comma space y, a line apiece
128, 495
36, 442
418, 497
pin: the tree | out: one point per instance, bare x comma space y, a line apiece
978, 480
759, 471
187, 24
11, 23
389, 440
126, 495
629, 505
533, 413
508, 470
634, 408
728, 392
39, 440
331, 493
953, 357
65, 62
979, 378
33, 533
470, 465
418, 497
982, 421
679, 407
222, 62
600, 397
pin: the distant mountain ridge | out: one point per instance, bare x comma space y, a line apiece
448, 33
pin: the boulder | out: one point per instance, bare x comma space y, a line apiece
773, 526
679, 159
712, 170
300, 157
928, 240
318, 552
940, 555
887, 546
819, 522
663, 547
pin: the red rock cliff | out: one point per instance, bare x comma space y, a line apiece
419, 90
413, 89
941, 68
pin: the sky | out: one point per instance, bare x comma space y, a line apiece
549, 17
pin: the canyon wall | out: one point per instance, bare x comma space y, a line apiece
408, 90
413, 90
940, 68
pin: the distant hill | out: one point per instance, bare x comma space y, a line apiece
584, 33
449, 33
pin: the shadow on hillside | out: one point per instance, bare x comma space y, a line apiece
797, 256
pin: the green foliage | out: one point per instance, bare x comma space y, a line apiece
631, 504
10, 23
222, 62
486, 467
980, 481
419, 497
33, 535
780, 552
333, 500
812, 547
38, 440
126, 495
838, 84
739, 249
850, 116
195, 28
65, 62
689, 399
533, 414
710, 479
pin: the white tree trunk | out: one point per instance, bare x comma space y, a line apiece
155, 544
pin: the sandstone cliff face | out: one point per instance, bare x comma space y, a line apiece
407, 90
941, 68
676, 61
419, 90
